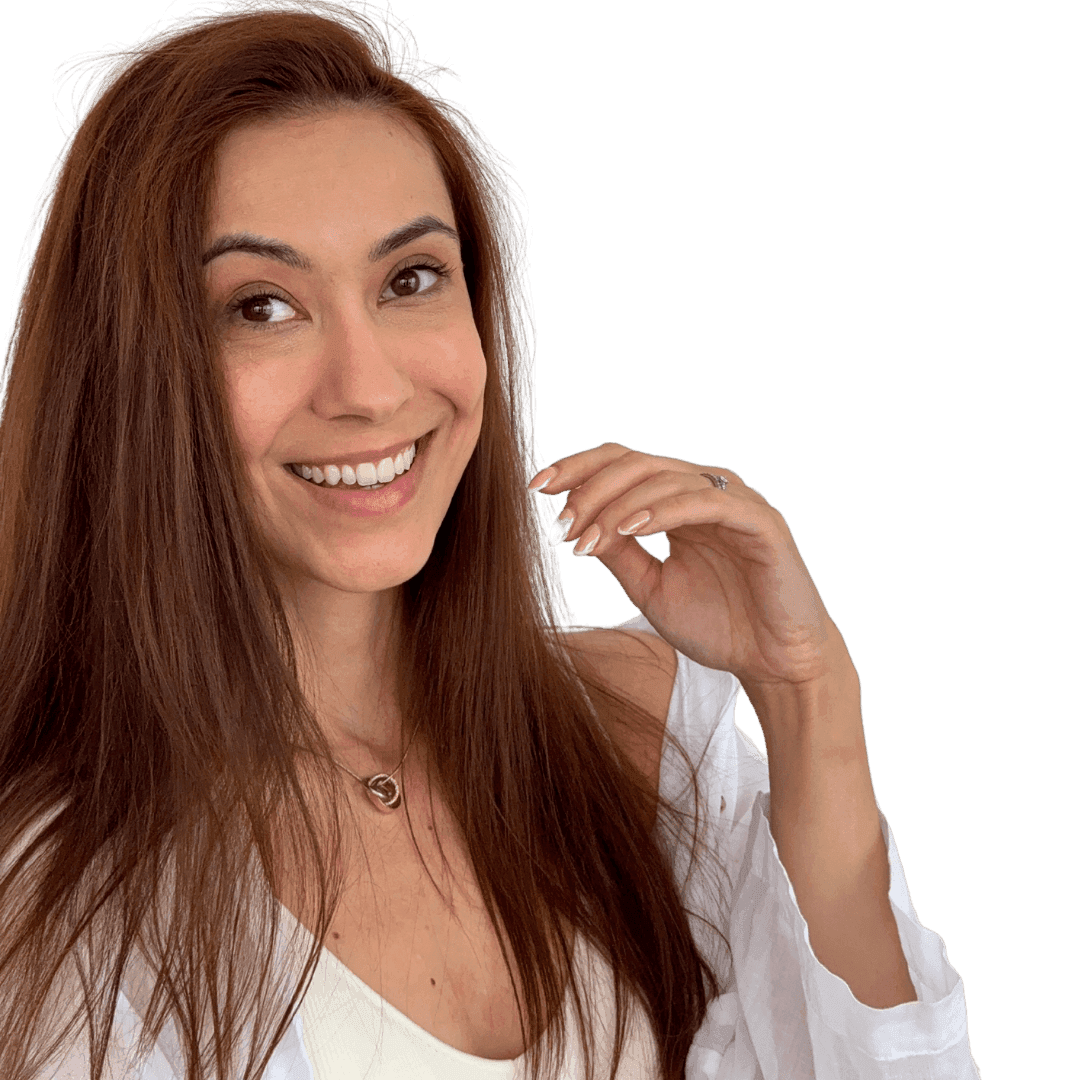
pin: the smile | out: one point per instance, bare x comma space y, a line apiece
367, 474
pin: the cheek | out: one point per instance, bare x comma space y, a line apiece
458, 371
469, 387
259, 403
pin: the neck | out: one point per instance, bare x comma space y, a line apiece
346, 653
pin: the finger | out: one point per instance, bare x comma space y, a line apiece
569, 472
625, 482
629, 485
634, 568
600, 477
674, 500
572, 471
629, 490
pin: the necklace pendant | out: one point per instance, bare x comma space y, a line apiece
384, 792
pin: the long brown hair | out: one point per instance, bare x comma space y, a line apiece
150, 707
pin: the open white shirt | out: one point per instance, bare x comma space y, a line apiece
786, 1016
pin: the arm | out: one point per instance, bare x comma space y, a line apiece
825, 823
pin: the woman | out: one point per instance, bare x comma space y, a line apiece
298, 778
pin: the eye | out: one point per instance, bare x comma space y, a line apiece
412, 280
262, 307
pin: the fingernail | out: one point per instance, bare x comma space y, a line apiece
635, 523
590, 538
550, 471
560, 529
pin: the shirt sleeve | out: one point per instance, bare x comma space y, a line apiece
804, 1021
785, 1016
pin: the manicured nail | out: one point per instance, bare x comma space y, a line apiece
560, 529
548, 474
635, 523
590, 538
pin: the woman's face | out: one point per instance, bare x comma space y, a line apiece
346, 335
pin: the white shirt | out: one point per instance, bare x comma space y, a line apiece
786, 1017
348, 1031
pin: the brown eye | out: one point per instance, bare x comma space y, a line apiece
413, 280
406, 283
262, 308
257, 309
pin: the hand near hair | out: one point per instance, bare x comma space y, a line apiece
734, 593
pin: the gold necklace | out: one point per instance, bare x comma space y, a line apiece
383, 790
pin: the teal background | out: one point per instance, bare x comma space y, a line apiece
831, 247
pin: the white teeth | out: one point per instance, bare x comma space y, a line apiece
366, 474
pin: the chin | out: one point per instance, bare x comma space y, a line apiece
371, 578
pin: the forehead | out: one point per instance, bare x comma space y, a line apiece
343, 171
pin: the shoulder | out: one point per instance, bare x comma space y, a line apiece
632, 659
641, 667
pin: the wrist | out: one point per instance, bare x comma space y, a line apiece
826, 707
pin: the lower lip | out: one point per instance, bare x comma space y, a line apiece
356, 501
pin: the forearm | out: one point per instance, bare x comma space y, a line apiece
824, 820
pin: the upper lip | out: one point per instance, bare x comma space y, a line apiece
350, 457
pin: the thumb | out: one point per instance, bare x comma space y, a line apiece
635, 569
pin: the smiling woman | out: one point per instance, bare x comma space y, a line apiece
299, 777
357, 275
271, 263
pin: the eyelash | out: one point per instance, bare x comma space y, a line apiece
234, 306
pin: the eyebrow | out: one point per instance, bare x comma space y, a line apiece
268, 248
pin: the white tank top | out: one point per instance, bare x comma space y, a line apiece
351, 1033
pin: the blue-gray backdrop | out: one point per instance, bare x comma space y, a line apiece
832, 247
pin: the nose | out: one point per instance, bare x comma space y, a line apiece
362, 371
